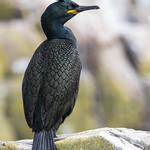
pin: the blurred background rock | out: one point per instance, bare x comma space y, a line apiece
114, 45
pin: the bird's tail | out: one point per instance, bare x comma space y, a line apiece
44, 140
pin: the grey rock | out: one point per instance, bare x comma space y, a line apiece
98, 139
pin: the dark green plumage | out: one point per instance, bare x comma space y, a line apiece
50, 84
51, 81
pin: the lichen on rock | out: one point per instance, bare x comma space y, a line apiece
85, 143
98, 139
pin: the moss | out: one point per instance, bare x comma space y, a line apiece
93, 143
76, 142
8, 146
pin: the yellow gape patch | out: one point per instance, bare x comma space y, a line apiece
73, 11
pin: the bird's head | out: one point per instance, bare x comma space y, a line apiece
57, 14
64, 10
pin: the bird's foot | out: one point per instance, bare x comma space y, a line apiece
59, 138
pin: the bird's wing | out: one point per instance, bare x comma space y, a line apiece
72, 103
77, 71
31, 85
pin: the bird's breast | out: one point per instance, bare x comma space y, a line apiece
63, 66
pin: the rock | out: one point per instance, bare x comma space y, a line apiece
98, 139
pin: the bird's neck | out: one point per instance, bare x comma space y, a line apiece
56, 30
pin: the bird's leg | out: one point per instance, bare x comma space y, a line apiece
59, 138
54, 133
56, 138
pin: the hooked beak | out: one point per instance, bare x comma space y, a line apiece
81, 9
84, 8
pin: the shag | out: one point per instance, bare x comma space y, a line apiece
51, 80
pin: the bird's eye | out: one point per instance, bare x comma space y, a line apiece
69, 7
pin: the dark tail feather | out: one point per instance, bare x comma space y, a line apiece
44, 140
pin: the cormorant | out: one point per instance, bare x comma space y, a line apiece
51, 80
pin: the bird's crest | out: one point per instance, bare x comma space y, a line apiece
64, 0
